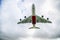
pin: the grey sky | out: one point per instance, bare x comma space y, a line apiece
13, 10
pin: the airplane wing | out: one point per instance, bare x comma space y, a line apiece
42, 20
26, 20
38, 20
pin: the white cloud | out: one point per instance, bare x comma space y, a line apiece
14, 9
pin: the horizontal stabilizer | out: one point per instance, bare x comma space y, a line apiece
34, 28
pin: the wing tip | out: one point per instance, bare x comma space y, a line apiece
49, 22
18, 22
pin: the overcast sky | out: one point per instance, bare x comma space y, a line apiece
13, 10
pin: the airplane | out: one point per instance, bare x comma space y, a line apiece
34, 18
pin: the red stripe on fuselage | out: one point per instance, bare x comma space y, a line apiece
33, 19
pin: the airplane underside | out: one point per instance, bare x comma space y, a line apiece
34, 19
